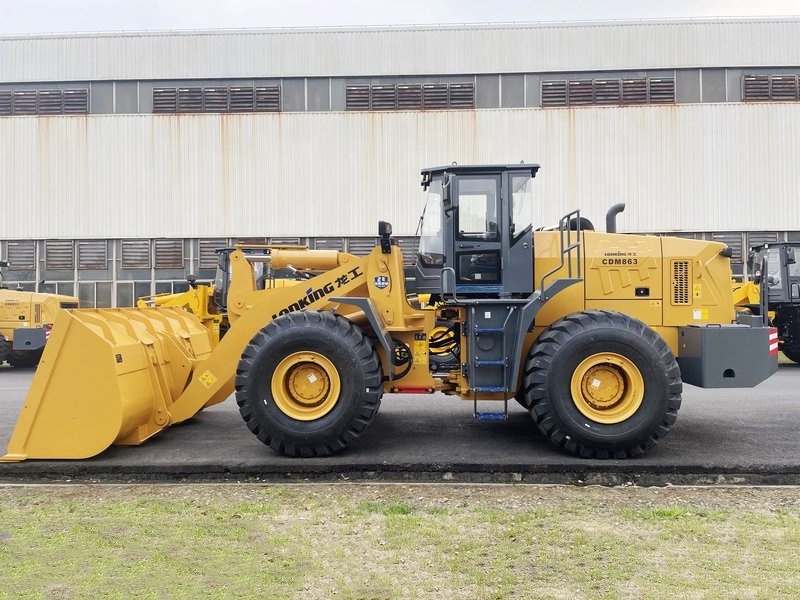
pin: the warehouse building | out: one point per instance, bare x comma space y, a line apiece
126, 159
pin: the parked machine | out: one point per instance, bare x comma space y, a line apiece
776, 265
594, 333
209, 301
25, 322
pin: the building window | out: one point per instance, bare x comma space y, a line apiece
217, 99
761, 88
410, 96
605, 92
44, 102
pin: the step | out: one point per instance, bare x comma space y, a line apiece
490, 416
490, 363
489, 331
489, 388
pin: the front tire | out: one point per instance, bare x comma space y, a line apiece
309, 383
601, 384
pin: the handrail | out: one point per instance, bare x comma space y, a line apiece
566, 245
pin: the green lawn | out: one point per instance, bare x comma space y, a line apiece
386, 541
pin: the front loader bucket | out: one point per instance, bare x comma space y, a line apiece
107, 376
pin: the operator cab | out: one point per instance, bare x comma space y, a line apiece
782, 270
476, 233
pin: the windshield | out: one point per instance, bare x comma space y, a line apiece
521, 204
431, 235
773, 265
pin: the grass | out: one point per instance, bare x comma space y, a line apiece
398, 541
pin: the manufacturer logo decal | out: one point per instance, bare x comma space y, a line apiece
381, 282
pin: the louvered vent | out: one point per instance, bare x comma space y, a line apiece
208, 252
408, 246
22, 255
434, 96
755, 88
336, 243
409, 96
135, 254
51, 102
165, 100
360, 246
190, 99
607, 91
76, 102
59, 254
168, 254
733, 241
242, 99
268, 98
783, 87
662, 90
634, 91
215, 99
554, 93
462, 95
6, 102
581, 92
384, 97
25, 102
680, 282
92, 254
357, 97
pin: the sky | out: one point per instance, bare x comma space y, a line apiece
56, 16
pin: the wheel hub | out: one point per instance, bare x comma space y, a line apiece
607, 388
306, 386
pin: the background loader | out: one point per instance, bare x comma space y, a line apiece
25, 322
775, 267
593, 333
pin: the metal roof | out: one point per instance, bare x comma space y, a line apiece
391, 51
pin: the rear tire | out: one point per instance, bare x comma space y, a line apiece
3, 349
309, 383
792, 355
24, 359
601, 384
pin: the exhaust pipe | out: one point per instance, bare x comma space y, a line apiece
611, 217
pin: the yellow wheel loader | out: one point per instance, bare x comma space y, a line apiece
26, 319
594, 333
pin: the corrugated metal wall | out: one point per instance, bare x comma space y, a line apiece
382, 51
707, 167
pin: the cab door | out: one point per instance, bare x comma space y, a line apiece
477, 234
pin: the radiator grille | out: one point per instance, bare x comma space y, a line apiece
680, 282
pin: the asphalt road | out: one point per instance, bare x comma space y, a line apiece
721, 436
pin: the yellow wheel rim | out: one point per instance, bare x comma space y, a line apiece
607, 388
306, 386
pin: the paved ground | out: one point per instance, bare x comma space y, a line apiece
722, 436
